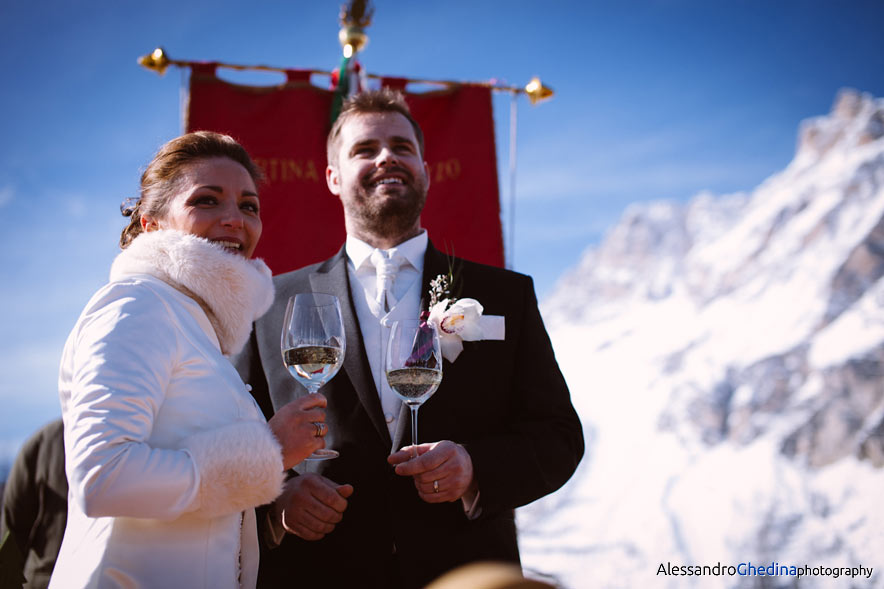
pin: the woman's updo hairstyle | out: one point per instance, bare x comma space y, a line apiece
163, 174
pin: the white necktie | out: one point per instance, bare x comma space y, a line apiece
386, 269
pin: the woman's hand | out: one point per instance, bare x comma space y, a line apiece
299, 427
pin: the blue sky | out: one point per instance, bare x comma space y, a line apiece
655, 99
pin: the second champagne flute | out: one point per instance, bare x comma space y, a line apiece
313, 344
414, 366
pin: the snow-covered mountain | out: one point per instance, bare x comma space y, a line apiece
726, 356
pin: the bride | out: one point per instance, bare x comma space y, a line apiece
167, 453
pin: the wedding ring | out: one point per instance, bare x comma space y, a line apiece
319, 426
435, 486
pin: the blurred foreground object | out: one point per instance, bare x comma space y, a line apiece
486, 575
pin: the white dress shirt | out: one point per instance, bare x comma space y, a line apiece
375, 322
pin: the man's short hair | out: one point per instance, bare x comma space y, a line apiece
383, 100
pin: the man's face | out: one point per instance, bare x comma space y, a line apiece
379, 175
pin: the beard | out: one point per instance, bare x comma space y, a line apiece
386, 209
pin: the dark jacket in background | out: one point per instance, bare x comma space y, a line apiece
35, 506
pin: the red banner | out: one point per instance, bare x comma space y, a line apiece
284, 129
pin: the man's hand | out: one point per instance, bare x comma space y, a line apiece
311, 505
443, 471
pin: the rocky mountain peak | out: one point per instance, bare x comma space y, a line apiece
727, 357
855, 119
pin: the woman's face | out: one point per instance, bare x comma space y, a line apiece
216, 199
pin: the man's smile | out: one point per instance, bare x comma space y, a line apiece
388, 181
394, 175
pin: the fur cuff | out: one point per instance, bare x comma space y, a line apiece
239, 465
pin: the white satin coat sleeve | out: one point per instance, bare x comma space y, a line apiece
117, 365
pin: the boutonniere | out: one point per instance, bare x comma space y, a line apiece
459, 320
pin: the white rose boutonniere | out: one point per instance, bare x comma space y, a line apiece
459, 320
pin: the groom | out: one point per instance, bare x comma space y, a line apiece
499, 432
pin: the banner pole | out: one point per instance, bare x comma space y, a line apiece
182, 100
511, 255
159, 61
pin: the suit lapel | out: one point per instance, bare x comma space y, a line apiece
333, 279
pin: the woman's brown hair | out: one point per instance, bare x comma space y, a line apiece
160, 178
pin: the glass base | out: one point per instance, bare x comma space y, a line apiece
323, 454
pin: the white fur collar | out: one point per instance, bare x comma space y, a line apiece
236, 291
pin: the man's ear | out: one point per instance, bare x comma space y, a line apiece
333, 179
427, 173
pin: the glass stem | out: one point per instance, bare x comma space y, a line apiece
414, 409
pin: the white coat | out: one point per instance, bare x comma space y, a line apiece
167, 453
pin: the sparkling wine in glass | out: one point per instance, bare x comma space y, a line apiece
313, 344
414, 366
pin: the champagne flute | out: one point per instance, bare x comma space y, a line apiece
414, 366
313, 344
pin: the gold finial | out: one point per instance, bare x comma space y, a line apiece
537, 92
354, 19
157, 61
